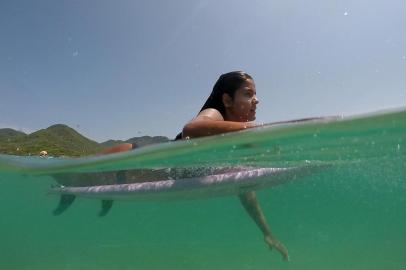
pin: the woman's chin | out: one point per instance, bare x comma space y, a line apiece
247, 118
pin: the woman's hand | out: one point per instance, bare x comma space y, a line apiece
274, 243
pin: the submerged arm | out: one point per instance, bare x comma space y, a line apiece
251, 205
211, 122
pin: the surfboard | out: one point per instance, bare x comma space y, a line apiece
184, 183
231, 181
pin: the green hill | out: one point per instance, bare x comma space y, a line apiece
60, 140
140, 141
57, 140
6, 133
111, 143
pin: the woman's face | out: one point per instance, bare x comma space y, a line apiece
242, 107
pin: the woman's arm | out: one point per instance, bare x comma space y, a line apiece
207, 127
251, 205
211, 122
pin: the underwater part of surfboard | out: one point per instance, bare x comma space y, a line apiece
230, 181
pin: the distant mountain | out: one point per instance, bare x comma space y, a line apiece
140, 141
111, 143
57, 140
6, 133
60, 140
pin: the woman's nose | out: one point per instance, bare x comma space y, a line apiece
256, 100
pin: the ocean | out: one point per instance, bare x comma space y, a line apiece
349, 216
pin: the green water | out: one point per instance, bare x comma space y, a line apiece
351, 216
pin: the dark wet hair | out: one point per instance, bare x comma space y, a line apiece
227, 83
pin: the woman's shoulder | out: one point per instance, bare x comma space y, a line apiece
211, 114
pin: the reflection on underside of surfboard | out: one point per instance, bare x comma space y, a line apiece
195, 185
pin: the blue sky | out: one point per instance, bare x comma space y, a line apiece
119, 69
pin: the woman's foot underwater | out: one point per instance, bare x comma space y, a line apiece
274, 243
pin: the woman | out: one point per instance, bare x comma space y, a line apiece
231, 107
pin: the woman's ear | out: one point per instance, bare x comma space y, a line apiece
227, 100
